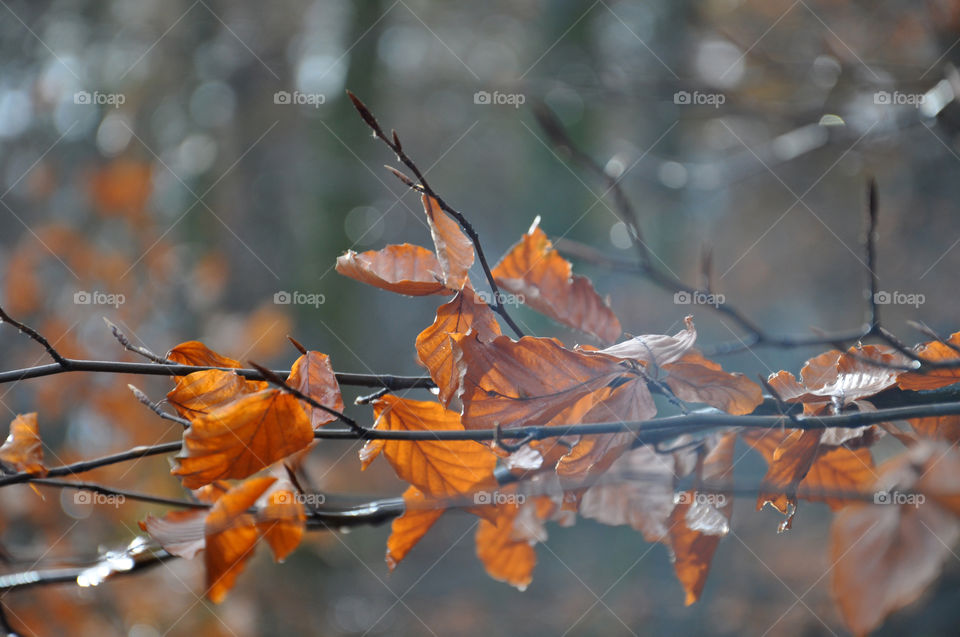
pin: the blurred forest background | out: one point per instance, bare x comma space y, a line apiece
148, 149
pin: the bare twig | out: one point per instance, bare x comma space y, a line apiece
155, 408
393, 143
136, 349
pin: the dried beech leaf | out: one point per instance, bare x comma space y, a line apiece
281, 521
535, 271
505, 558
406, 530
404, 269
231, 535
197, 354
242, 437
204, 391
437, 468
463, 313
532, 381
313, 375
454, 248
23, 449
934, 378
884, 555
696, 379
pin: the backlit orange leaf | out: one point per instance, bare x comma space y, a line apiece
406, 530
637, 490
404, 269
938, 427
532, 381
535, 271
313, 375
790, 463
231, 534
884, 555
454, 248
438, 469
693, 548
463, 313
629, 402
505, 558
23, 449
840, 378
934, 378
700, 520
241, 437
204, 391
281, 521
196, 353
696, 379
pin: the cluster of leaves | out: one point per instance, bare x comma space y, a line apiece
245, 436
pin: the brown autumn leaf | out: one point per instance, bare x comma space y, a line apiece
593, 455
696, 379
281, 520
23, 449
203, 391
692, 377
313, 376
884, 555
638, 491
461, 314
241, 437
454, 248
533, 381
419, 514
440, 469
790, 463
405, 269
938, 427
700, 520
180, 533
198, 354
656, 350
934, 378
837, 465
505, 557
840, 378
231, 535
535, 271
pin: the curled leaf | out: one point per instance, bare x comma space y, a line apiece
535, 272
404, 269
23, 449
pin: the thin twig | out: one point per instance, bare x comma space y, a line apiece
393, 143
136, 349
155, 408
